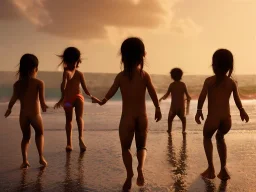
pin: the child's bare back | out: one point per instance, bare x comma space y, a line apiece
178, 90
29, 92
219, 95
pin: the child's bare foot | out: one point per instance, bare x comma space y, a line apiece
169, 131
42, 161
82, 146
140, 179
68, 148
127, 184
25, 165
224, 174
208, 173
184, 132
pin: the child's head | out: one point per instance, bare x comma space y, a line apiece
28, 66
132, 52
176, 74
70, 58
222, 62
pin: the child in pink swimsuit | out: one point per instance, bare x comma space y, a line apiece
71, 94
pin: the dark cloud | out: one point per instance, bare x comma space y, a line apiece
83, 19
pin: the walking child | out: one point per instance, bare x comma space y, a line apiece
133, 82
71, 96
178, 90
30, 91
218, 88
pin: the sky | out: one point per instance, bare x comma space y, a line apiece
176, 33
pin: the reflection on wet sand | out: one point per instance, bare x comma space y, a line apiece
179, 166
24, 184
77, 184
211, 187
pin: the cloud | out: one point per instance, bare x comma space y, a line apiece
185, 27
94, 19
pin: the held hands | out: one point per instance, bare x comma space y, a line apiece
199, 114
96, 100
244, 115
7, 113
59, 104
158, 114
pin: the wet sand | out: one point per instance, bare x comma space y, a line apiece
174, 163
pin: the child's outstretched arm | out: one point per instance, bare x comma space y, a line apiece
112, 91
201, 99
42, 96
12, 101
84, 85
153, 95
239, 105
167, 94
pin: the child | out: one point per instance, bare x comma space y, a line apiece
30, 91
218, 88
71, 94
133, 82
177, 89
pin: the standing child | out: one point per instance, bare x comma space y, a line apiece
30, 92
178, 90
133, 82
218, 88
71, 94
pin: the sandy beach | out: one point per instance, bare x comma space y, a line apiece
173, 162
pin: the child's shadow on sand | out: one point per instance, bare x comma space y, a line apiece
206, 185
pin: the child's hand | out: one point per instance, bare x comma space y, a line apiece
199, 114
58, 105
44, 107
160, 100
158, 114
244, 115
95, 100
7, 113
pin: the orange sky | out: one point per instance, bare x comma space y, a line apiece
176, 33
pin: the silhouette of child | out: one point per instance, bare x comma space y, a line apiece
178, 90
133, 82
71, 94
30, 92
218, 88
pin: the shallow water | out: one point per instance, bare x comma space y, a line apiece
173, 163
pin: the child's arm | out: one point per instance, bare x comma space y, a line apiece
200, 103
42, 96
153, 95
186, 93
112, 91
62, 88
239, 105
84, 85
12, 101
167, 94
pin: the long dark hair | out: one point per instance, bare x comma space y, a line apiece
28, 63
132, 52
71, 58
222, 62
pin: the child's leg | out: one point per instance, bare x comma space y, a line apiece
26, 132
210, 126
170, 119
222, 148
37, 124
182, 117
79, 109
69, 116
141, 139
126, 133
